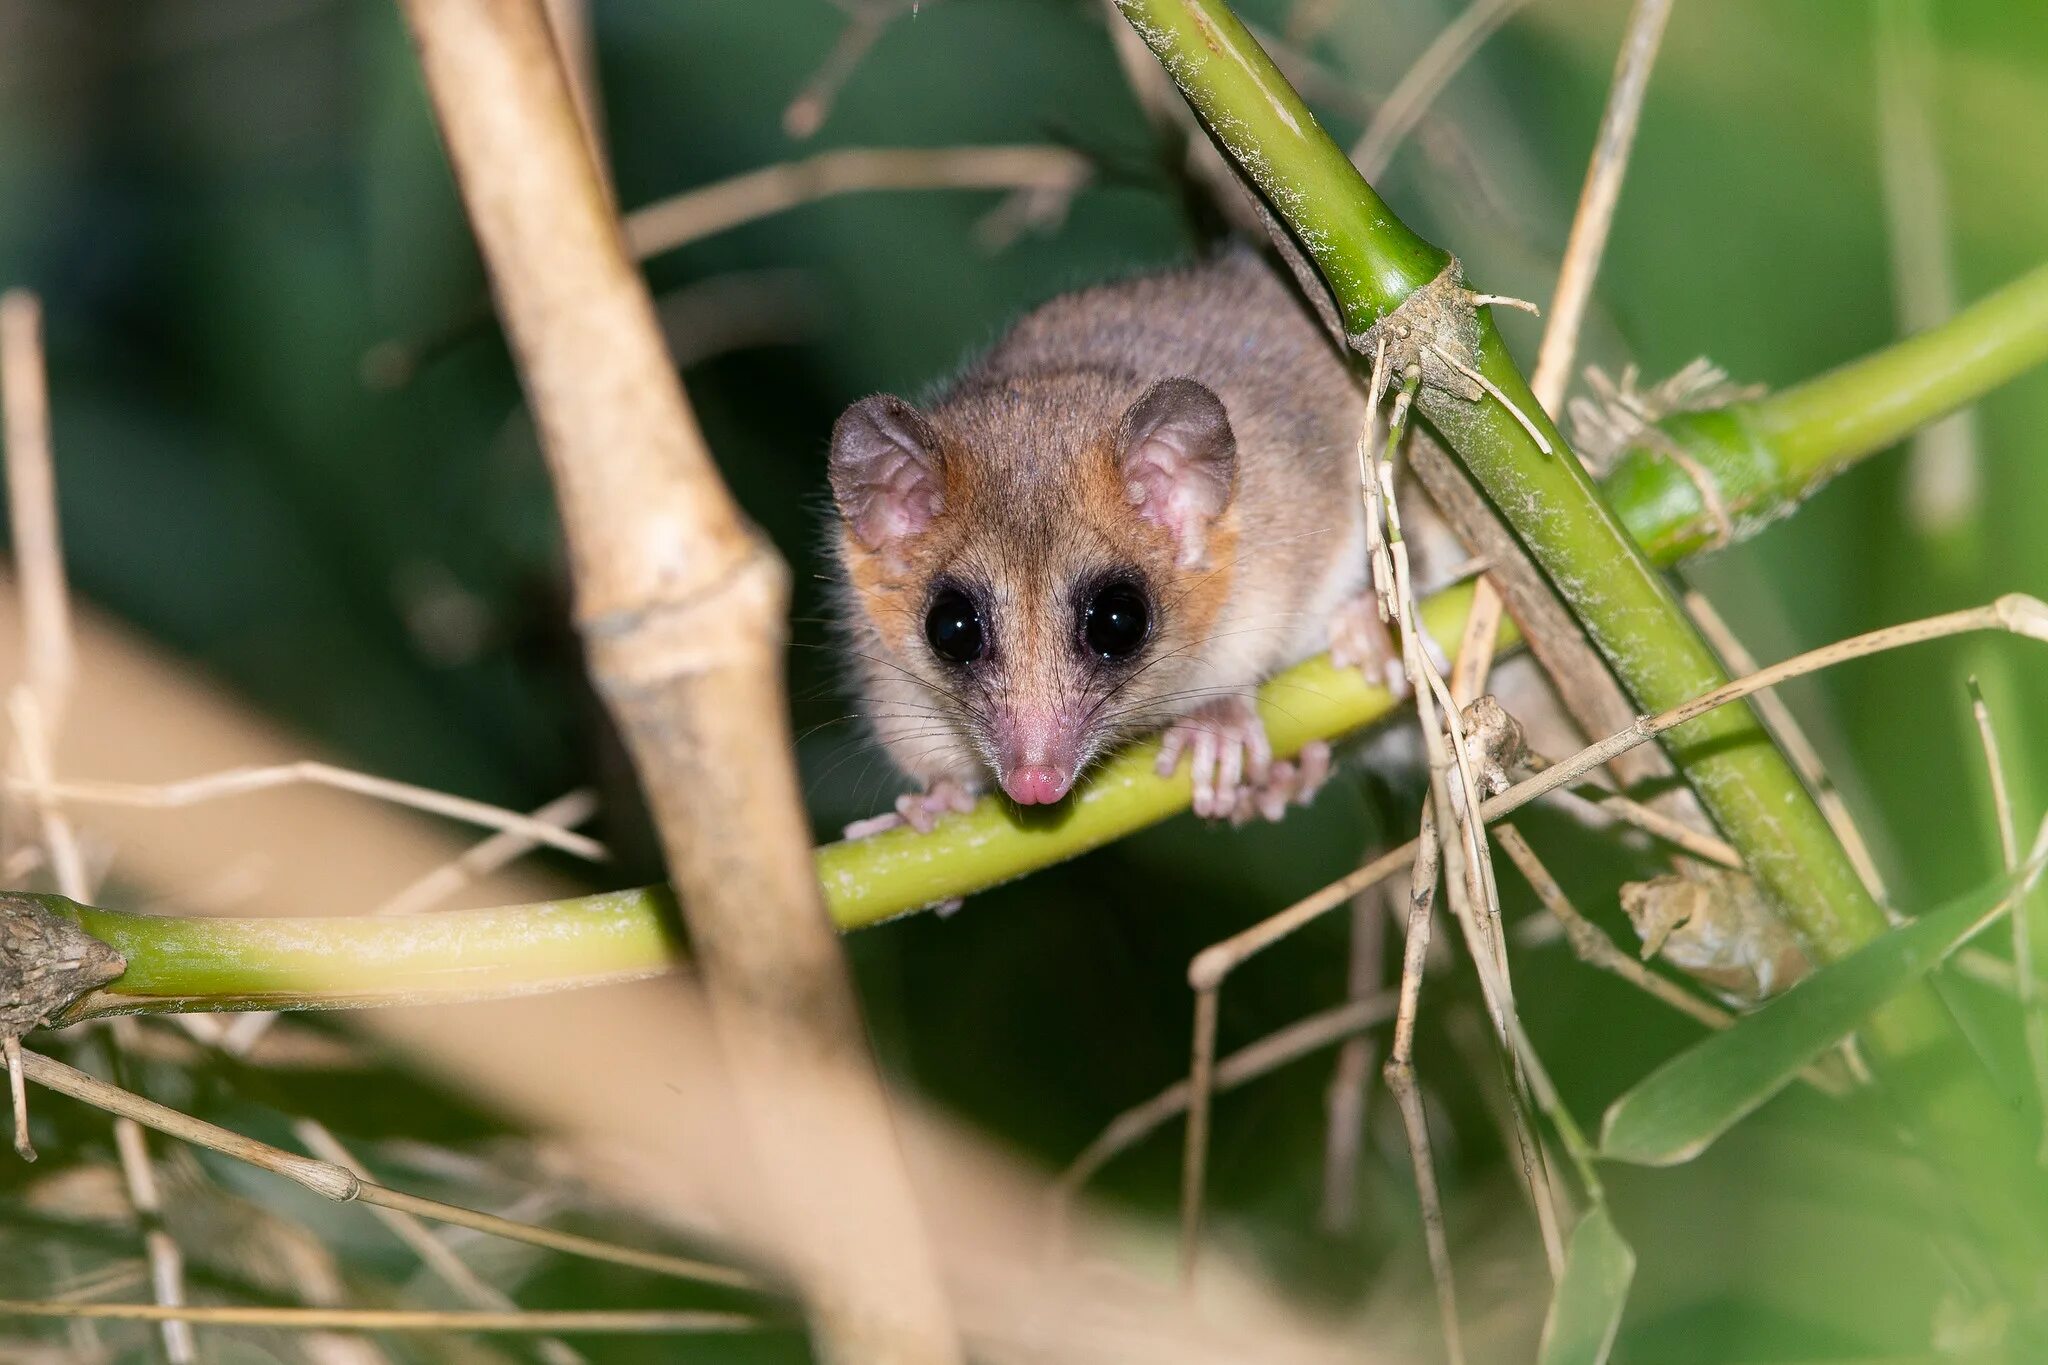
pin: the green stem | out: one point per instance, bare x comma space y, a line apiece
1617, 594
1628, 609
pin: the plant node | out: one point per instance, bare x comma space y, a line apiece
1435, 332
46, 963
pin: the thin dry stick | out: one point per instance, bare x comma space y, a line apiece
36, 709
499, 851
1584, 249
708, 209
806, 113
1594, 948
1594, 218
1425, 80
332, 1181
32, 504
1468, 877
682, 607
2026, 979
1596, 801
398, 1319
1194, 1163
434, 1253
1943, 473
1338, 1024
1351, 1078
240, 781
1791, 737
2014, 612
1400, 1076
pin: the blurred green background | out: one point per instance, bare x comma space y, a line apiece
227, 204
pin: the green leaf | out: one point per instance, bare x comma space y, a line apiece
1685, 1104
1585, 1310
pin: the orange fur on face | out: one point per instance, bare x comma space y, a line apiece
1035, 513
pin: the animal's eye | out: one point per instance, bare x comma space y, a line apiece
952, 627
1114, 622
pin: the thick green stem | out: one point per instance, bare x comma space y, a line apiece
1373, 265
1626, 607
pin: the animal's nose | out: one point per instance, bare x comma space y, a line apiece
1036, 785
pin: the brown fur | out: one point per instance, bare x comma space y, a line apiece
1034, 501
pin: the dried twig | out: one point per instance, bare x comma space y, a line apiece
1425, 80
1597, 198
239, 781
1276, 1049
1943, 473
1351, 1078
398, 1319
435, 887
338, 1182
2026, 971
682, 608
434, 1253
1400, 1076
1791, 737
1584, 248
1594, 948
708, 209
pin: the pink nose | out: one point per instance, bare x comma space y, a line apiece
1038, 785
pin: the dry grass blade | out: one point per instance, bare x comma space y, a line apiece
1792, 738
1594, 217
1594, 948
1425, 80
241, 781
435, 1254
1400, 1077
334, 1181
2026, 971
1943, 472
1248, 1063
1584, 249
708, 209
1351, 1078
1194, 1164
500, 850
397, 1319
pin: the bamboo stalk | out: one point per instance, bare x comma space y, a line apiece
681, 605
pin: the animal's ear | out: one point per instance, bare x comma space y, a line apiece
885, 471
1179, 461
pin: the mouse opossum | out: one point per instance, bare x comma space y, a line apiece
1139, 505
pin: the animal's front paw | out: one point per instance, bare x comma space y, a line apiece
1288, 783
922, 811
1360, 639
1232, 764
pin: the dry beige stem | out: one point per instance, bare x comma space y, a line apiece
682, 608
693, 214
1424, 80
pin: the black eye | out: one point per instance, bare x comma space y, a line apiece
953, 627
1114, 621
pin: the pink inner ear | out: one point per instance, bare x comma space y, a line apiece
899, 499
1170, 492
